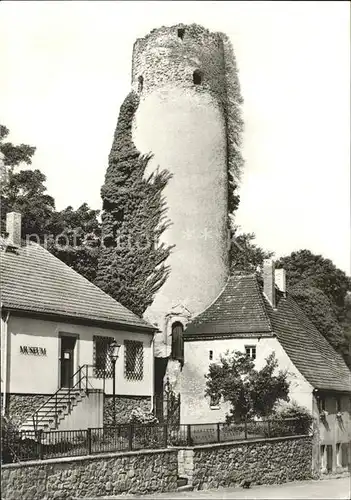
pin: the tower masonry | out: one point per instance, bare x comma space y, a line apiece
179, 73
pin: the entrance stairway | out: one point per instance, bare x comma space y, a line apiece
54, 410
48, 416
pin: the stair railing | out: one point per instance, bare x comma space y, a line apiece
82, 374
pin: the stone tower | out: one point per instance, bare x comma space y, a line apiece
179, 73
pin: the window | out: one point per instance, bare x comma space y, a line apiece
102, 362
338, 455
250, 351
197, 77
133, 360
323, 457
210, 355
177, 341
181, 32
338, 405
345, 454
140, 83
321, 404
214, 402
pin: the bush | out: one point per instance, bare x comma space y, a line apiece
147, 433
139, 416
301, 419
13, 447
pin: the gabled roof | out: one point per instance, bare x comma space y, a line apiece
34, 281
242, 310
238, 309
308, 349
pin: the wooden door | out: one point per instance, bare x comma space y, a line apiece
67, 360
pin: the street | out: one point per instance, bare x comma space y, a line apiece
326, 489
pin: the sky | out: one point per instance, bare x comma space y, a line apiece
66, 68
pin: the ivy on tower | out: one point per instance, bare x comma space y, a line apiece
131, 266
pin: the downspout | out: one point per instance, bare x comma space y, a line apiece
4, 399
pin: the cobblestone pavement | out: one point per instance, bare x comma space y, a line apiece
327, 489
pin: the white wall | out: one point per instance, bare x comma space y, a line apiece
87, 413
185, 131
33, 374
195, 408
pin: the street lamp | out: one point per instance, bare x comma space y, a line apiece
113, 352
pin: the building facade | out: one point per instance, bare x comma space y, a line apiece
258, 322
56, 329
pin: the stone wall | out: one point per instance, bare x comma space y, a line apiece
124, 406
97, 476
20, 406
275, 460
186, 464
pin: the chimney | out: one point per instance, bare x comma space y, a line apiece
13, 228
280, 279
268, 280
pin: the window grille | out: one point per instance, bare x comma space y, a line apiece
102, 362
250, 351
133, 360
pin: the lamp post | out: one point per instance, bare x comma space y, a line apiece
113, 352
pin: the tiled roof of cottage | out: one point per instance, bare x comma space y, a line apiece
33, 280
238, 309
242, 309
308, 349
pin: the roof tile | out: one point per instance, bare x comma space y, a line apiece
32, 279
242, 309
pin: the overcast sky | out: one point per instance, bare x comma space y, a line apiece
65, 70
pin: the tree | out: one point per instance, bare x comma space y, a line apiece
319, 310
71, 235
244, 255
17, 188
25, 192
14, 155
321, 290
250, 392
75, 239
307, 269
131, 264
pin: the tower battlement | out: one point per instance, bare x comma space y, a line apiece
186, 56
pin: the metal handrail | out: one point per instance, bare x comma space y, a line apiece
54, 396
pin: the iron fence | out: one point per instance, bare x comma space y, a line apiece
33, 445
